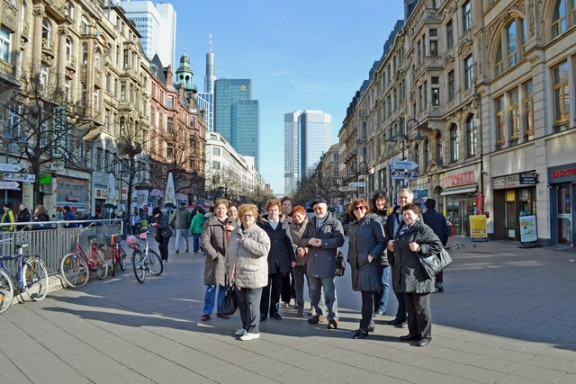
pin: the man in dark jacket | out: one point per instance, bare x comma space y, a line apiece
322, 237
23, 217
437, 222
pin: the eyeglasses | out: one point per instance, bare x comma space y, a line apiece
359, 207
246, 216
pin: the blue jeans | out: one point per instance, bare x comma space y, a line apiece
179, 234
329, 306
381, 297
210, 296
196, 243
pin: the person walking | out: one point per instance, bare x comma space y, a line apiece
163, 232
281, 258
196, 228
24, 216
365, 247
380, 203
7, 217
69, 216
214, 238
322, 237
414, 240
181, 222
247, 268
437, 222
135, 223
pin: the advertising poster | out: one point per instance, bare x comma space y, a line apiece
528, 231
478, 228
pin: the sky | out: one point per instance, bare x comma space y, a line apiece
300, 55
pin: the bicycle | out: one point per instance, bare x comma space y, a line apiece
75, 267
143, 258
32, 278
116, 253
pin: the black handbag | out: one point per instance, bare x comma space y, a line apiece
432, 265
230, 302
158, 236
340, 264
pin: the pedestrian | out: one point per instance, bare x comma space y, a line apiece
414, 240
69, 216
233, 213
7, 217
247, 269
196, 228
135, 222
287, 292
40, 216
297, 228
322, 238
365, 247
281, 259
214, 239
181, 222
379, 204
163, 232
437, 222
24, 216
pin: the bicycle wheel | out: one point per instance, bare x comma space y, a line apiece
6, 291
122, 260
138, 266
74, 270
100, 263
36, 276
155, 261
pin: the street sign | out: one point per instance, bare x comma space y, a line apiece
9, 185
5, 167
348, 189
357, 184
403, 164
21, 177
404, 175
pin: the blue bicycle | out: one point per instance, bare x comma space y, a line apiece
32, 278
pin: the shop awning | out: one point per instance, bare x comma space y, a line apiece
457, 191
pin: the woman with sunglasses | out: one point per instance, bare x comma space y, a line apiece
365, 247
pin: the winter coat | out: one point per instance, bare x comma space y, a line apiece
162, 226
41, 217
23, 217
322, 260
366, 237
394, 222
296, 232
437, 222
281, 253
213, 240
408, 276
7, 217
196, 224
246, 261
181, 218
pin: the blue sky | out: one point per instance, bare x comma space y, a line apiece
300, 54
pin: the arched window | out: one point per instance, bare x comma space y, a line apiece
563, 17
472, 136
511, 45
453, 142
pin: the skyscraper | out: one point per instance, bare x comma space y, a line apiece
307, 135
206, 98
236, 116
157, 25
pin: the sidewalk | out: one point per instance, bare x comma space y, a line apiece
508, 315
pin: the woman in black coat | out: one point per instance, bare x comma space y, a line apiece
415, 239
365, 247
163, 232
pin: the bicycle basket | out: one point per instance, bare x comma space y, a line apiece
131, 241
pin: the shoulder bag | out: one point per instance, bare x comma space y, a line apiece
432, 265
340, 264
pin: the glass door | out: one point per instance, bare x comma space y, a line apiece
564, 214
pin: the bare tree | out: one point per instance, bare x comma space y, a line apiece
318, 185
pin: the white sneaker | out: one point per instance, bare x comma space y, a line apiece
241, 332
250, 336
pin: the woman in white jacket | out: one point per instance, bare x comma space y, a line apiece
247, 269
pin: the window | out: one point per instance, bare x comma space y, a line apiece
433, 42
122, 127
514, 115
435, 97
511, 45
454, 143
468, 72
96, 105
439, 152
83, 94
559, 18
499, 120
46, 32
561, 94
528, 109
69, 9
451, 86
216, 151
169, 123
44, 79
426, 146
107, 120
472, 136
467, 16
85, 53
5, 44
192, 121
169, 150
215, 165
170, 102
449, 35
97, 59
84, 28
67, 90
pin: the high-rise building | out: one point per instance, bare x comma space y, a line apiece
157, 26
307, 136
236, 116
206, 98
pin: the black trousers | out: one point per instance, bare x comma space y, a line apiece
271, 294
367, 309
419, 315
163, 248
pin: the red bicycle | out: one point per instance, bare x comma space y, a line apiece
116, 254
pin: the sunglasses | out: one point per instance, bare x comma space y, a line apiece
359, 207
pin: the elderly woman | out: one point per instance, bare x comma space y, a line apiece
299, 222
214, 238
414, 239
247, 269
366, 244
281, 258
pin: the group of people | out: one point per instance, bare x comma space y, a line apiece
38, 218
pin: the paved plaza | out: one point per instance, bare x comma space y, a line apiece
508, 315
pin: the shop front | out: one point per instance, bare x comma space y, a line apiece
73, 193
460, 193
514, 196
562, 181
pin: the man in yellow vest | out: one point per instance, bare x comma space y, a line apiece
7, 217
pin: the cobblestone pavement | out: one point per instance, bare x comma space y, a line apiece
508, 315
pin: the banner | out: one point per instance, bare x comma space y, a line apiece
478, 227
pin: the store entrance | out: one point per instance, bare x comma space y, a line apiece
564, 214
459, 208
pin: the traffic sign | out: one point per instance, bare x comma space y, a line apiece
357, 184
403, 164
5, 167
22, 177
348, 189
9, 185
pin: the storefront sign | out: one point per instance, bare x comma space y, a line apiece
455, 180
563, 173
512, 181
499, 183
100, 193
478, 227
528, 178
528, 232
479, 203
21, 177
